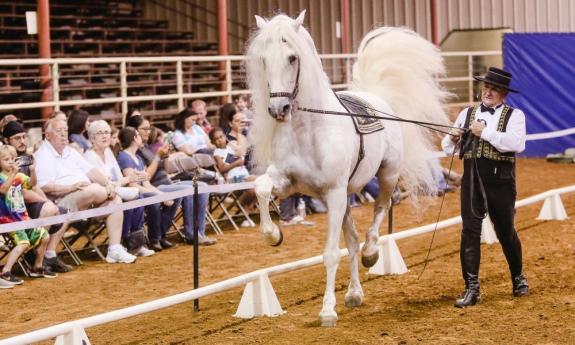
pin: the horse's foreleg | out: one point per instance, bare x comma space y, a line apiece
354, 295
336, 204
370, 250
270, 231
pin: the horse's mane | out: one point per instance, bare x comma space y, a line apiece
278, 28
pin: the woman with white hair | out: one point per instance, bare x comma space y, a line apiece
101, 157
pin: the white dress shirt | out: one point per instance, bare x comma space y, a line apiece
65, 169
512, 140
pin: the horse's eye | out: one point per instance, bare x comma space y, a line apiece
292, 59
284, 40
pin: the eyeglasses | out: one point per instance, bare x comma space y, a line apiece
103, 133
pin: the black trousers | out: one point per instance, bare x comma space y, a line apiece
499, 181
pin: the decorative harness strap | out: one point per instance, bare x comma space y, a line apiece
295, 91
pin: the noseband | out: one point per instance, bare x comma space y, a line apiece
290, 95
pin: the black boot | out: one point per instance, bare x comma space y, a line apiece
470, 255
470, 295
520, 286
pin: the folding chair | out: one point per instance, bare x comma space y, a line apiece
89, 230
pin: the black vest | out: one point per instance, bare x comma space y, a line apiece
484, 148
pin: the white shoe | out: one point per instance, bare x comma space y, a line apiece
248, 224
120, 256
5, 285
302, 221
144, 251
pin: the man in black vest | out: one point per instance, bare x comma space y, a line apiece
496, 132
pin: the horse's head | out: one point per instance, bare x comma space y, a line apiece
281, 63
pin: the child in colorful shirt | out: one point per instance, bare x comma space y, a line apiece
13, 209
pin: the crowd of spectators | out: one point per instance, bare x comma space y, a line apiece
82, 164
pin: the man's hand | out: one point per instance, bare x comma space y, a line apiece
455, 134
477, 127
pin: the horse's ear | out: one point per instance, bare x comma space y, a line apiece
261, 22
299, 20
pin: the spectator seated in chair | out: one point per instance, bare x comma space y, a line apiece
190, 138
37, 204
78, 123
13, 209
199, 107
231, 165
155, 163
101, 157
159, 216
66, 177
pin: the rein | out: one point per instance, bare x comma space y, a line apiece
390, 118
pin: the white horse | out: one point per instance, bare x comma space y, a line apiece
316, 154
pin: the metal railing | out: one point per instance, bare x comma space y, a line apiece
161, 85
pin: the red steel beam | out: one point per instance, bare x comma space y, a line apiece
435, 22
345, 27
223, 40
43, 17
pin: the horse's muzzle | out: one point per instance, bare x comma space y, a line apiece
280, 112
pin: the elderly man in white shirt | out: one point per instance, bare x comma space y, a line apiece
495, 133
66, 177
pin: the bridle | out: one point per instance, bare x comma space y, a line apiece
290, 95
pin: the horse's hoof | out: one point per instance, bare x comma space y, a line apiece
353, 301
369, 260
281, 239
328, 320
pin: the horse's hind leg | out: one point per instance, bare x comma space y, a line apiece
387, 177
270, 231
336, 202
354, 295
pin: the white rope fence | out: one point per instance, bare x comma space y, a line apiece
259, 298
105, 210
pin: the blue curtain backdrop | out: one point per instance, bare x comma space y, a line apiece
543, 67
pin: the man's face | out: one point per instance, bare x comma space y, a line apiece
19, 142
201, 110
492, 95
58, 135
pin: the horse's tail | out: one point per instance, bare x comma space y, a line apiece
401, 67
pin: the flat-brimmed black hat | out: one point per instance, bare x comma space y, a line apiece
497, 77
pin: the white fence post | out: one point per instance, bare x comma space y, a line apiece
553, 209
488, 234
390, 260
259, 299
56, 86
76, 337
180, 85
124, 90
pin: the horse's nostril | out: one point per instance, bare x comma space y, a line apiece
286, 109
271, 112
